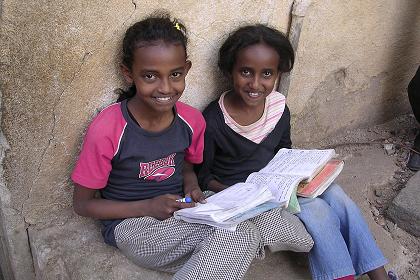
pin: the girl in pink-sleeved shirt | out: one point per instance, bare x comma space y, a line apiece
139, 155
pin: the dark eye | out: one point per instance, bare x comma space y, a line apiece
245, 72
176, 75
267, 74
149, 76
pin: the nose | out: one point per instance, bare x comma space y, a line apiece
255, 83
165, 86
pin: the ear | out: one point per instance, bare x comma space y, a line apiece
126, 73
187, 66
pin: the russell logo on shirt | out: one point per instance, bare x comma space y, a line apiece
158, 170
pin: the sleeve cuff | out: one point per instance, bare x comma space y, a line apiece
88, 183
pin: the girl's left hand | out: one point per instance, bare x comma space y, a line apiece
197, 195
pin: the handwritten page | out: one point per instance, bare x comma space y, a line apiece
272, 186
226, 204
304, 163
281, 186
236, 195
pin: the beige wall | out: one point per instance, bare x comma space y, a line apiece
354, 61
62, 59
59, 66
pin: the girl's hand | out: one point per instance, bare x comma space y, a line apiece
163, 207
197, 195
191, 187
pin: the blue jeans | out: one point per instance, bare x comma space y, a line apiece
343, 242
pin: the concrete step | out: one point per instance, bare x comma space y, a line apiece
76, 251
405, 208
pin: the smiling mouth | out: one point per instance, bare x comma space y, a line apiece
165, 99
254, 94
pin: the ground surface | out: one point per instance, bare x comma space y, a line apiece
377, 196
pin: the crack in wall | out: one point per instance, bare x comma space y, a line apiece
52, 132
54, 121
134, 2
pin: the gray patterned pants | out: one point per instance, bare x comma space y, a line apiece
195, 251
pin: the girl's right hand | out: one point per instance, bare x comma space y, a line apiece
163, 207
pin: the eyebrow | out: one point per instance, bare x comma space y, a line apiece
156, 71
251, 68
178, 69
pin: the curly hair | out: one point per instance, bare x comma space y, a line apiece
157, 27
250, 35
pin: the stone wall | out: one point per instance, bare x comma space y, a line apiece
59, 64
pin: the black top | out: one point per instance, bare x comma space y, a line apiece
229, 157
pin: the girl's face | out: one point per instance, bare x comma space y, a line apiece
158, 72
254, 73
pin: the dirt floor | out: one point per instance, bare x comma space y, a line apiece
400, 133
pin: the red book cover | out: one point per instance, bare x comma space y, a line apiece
322, 180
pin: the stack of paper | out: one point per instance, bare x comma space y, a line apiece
231, 206
273, 186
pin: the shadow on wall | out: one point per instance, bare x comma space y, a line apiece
402, 64
219, 82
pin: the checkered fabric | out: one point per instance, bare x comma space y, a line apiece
280, 231
193, 251
196, 251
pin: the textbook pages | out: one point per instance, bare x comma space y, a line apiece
226, 209
289, 167
273, 186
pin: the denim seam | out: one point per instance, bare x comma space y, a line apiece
333, 275
362, 269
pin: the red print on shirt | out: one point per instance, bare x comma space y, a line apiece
158, 170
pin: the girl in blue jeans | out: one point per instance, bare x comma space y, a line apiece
248, 124
343, 244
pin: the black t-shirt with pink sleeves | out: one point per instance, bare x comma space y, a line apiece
125, 162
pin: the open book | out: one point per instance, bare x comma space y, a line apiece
314, 169
273, 186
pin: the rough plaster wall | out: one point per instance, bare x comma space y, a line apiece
354, 61
15, 259
58, 62
63, 67
59, 66
47, 45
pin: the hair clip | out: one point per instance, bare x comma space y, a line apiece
177, 26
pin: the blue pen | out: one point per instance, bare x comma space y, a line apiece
185, 199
